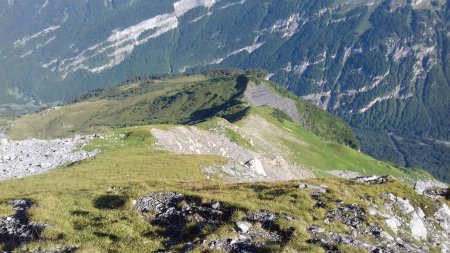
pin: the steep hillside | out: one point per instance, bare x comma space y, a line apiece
177, 101
206, 163
381, 65
274, 126
183, 100
173, 188
107, 204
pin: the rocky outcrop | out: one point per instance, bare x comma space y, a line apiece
16, 230
410, 223
432, 189
437, 192
266, 217
251, 237
348, 214
158, 201
443, 218
374, 179
262, 95
400, 226
319, 188
183, 218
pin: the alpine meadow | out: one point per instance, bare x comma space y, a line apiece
224, 126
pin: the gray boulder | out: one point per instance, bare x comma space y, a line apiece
243, 226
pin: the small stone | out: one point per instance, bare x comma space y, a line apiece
189, 246
244, 238
215, 205
316, 229
243, 226
45, 165
321, 188
372, 211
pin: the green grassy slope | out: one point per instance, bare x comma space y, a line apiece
322, 124
183, 100
176, 101
200, 98
4, 121
89, 203
318, 154
70, 198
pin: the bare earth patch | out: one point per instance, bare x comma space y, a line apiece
243, 164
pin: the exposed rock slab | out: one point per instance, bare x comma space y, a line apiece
373, 179
443, 217
262, 95
243, 165
420, 186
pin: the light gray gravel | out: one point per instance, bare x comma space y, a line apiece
243, 165
24, 158
262, 95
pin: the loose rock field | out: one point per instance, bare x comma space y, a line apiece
28, 157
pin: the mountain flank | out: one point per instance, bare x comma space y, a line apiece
225, 161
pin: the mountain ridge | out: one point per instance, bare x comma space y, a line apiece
259, 180
361, 60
